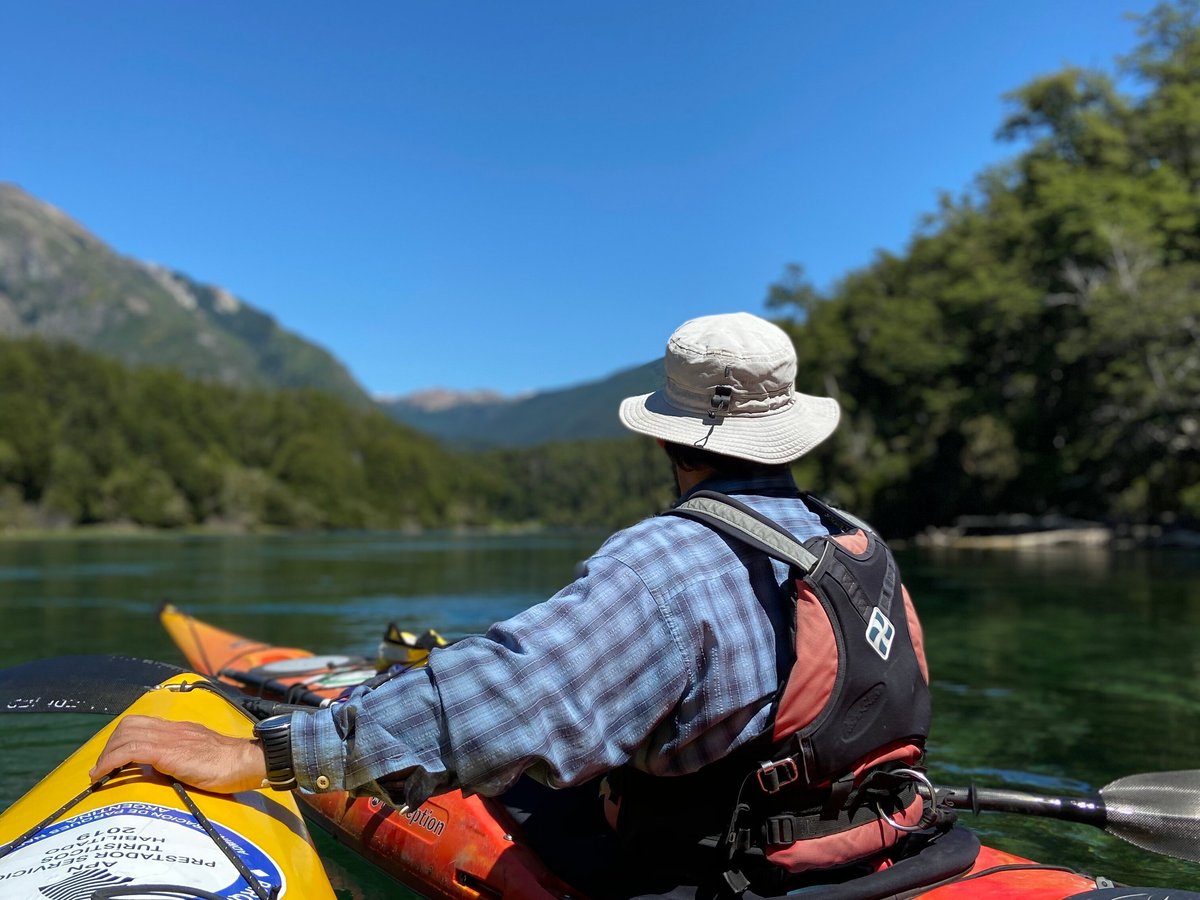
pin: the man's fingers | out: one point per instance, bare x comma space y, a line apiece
187, 751
125, 745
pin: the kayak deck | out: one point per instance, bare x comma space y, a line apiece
64, 839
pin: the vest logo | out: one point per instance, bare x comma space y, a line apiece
880, 632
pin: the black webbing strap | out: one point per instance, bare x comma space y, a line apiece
863, 806
841, 520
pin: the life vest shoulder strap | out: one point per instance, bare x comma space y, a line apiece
737, 520
835, 519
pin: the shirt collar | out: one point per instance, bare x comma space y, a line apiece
773, 484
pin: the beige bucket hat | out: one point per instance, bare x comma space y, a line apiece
731, 390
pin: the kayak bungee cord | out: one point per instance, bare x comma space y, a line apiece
205, 665
1101, 881
50, 819
139, 891
165, 890
200, 649
253, 707
222, 844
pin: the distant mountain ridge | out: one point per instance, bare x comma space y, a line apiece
60, 282
433, 400
581, 412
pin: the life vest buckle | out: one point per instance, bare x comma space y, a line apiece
771, 778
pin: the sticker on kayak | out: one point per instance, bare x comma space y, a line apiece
320, 671
132, 844
342, 678
305, 665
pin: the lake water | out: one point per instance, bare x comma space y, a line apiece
1054, 672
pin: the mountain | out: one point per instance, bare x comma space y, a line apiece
435, 400
59, 282
580, 412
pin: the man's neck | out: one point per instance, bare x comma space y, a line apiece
689, 478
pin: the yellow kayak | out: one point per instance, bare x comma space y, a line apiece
138, 828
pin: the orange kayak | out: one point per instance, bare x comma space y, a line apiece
466, 848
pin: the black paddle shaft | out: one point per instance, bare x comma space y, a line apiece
1089, 810
292, 694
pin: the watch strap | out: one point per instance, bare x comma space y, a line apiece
275, 736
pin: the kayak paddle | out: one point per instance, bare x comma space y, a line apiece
89, 684
105, 685
1156, 811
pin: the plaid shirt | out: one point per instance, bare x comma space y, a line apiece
665, 653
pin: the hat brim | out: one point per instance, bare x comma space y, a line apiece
772, 438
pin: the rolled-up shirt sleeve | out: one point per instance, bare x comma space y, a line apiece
565, 690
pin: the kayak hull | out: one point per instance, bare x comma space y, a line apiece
451, 847
463, 848
139, 828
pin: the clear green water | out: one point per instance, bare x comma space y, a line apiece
1055, 672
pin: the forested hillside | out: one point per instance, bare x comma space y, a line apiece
60, 282
84, 440
582, 412
1037, 348
609, 483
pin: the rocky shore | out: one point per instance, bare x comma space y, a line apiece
1026, 532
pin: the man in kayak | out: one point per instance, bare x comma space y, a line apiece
723, 711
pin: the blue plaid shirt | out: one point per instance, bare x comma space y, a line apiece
665, 653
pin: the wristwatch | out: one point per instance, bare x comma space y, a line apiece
275, 735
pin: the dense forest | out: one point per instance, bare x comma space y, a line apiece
1036, 348
85, 440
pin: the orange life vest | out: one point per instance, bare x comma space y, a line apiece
822, 789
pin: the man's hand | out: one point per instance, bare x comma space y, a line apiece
187, 752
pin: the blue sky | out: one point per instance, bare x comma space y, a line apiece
516, 195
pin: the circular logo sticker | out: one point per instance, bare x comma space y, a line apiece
132, 844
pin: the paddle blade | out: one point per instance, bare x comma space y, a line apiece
1157, 811
90, 684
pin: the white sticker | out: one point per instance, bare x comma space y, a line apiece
304, 665
342, 678
132, 844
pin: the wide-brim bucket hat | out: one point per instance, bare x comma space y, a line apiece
730, 389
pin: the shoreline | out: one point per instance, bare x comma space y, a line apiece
122, 531
1013, 532
1001, 533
